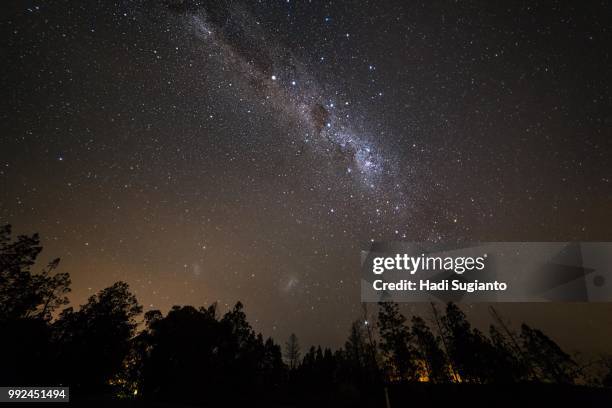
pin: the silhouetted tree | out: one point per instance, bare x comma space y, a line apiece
181, 351
24, 294
328, 367
356, 347
469, 350
191, 356
27, 300
272, 366
552, 364
396, 342
95, 340
240, 347
429, 351
509, 364
240, 329
354, 363
292, 351
318, 370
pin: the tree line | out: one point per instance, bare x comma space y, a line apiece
107, 346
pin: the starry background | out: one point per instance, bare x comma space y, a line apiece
223, 150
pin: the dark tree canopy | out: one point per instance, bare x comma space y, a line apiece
396, 342
23, 293
195, 356
429, 351
292, 351
552, 364
96, 338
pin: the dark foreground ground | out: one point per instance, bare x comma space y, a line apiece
414, 395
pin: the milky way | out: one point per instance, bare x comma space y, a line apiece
320, 117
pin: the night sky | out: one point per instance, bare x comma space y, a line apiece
219, 151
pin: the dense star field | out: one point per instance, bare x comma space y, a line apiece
222, 151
